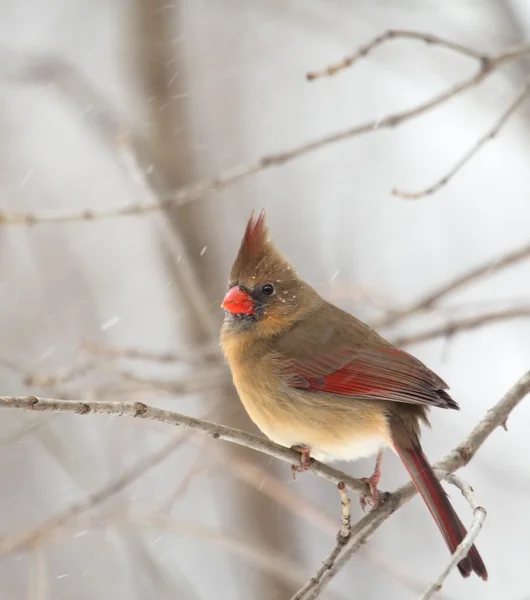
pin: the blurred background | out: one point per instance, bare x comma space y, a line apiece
107, 104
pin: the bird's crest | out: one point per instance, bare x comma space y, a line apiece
255, 234
257, 255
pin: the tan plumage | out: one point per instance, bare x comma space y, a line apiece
311, 375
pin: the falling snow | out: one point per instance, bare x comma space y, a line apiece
110, 323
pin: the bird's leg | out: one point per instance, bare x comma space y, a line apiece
372, 481
305, 459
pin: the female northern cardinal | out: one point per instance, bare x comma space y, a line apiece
313, 377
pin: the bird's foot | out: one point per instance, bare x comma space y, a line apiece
305, 460
374, 498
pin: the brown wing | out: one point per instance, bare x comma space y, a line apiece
350, 359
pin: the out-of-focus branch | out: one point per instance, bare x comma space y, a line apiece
301, 507
459, 457
10, 544
58, 70
202, 381
448, 330
280, 565
467, 542
393, 34
487, 63
38, 580
219, 432
194, 354
360, 533
64, 375
460, 164
488, 268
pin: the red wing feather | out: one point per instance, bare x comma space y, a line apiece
384, 373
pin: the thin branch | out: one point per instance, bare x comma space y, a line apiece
22, 432
488, 268
204, 380
194, 354
220, 432
460, 164
466, 490
345, 519
393, 34
342, 537
448, 330
464, 547
64, 375
361, 532
301, 507
186, 194
276, 564
459, 457
33, 536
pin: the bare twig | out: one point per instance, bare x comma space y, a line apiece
28, 538
221, 432
467, 542
342, 537
22, 432
487, 65
205, 380
280, 566
466, 490
460, 164
393, 34
488, 268
301, 507
361, 532
345, 519
64, 375
194, 354
459, 457
448, 330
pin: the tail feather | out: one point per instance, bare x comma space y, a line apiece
441, 509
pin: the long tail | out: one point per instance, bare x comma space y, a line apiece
441, 509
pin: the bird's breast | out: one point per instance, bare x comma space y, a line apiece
333, 427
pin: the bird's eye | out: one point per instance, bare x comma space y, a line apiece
267, 289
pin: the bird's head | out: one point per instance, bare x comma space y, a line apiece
265, 294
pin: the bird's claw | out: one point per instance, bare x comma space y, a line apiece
305, 460
371, 482
373, 497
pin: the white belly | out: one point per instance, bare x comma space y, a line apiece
359, 448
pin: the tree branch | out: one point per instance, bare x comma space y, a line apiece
33, 536
220, 432
459, 457
360, 533
460, 164
198, 353
393, 34
58, 71
464, 547
450, 329
342, 537
431, 299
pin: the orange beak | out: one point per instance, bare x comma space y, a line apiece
238, 302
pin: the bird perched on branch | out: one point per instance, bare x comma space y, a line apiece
315, 378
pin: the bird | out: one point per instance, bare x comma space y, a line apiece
314, 378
